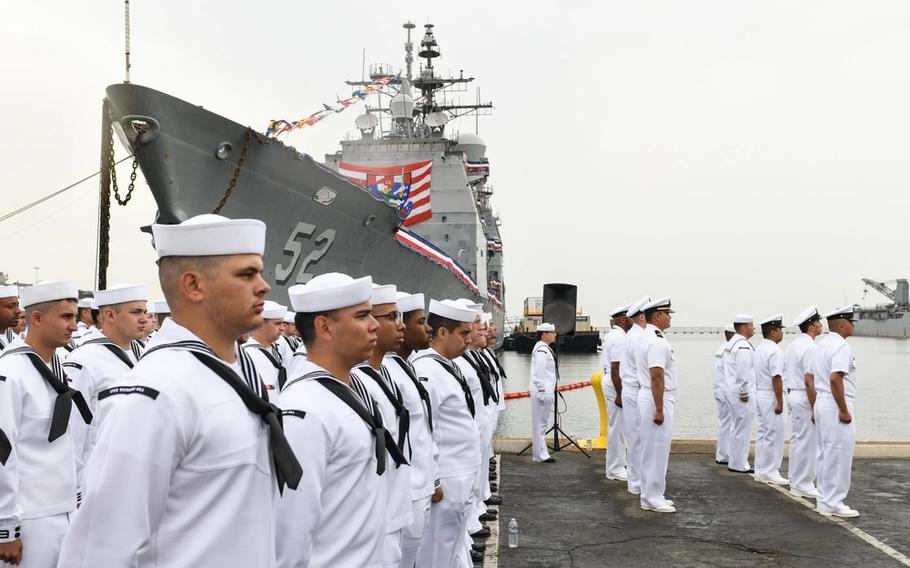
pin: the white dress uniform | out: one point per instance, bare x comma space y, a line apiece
484, 407
181, 474
458, 439
422, 454
542, 386
631, 420
397, 507
335, 519
38, 482
803, 458
286, 347
656, 438
769, 442
268, 365
615, 460
722, 454
838, 440
93, 367
296, 362
740, 372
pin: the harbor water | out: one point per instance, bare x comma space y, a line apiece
880, 411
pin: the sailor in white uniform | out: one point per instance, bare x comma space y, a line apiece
799, 376
423, 453
739, 369
262, 347
455, 432
375, 376
722, 453
628, 372
10, 312
100, 362
190, 455
611, 385
86, 318
544, 376
769, 369
38, 480
835, 387
289, 340
336, 519
657, 407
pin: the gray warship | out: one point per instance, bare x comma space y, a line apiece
350, 214
890, 319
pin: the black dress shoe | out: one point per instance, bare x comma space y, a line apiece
550, 460
478, 547
476, 557
482, 533
488, 516
494, 500
720, 462
740, 470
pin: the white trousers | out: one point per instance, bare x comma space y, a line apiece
390, 553
803, 442
741, 414
655, 448
412, 535
41, 541
541, 404
838, 441
722, 454
444, 538
769, 442
632, 429
615, 462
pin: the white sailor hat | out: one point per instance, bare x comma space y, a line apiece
809, 314
9, 291
729, 328
120, 293
330, 291
384, 294
546, 327
161, 307
636, 307
777, 320
289, 316
847, 313
210, 235
86, 302
661, 305
48, 292
743, 318
409, 302
620, 310
471, 304
273, 310
453, 310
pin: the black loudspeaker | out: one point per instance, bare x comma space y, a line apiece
559, 307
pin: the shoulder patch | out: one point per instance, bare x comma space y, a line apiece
746, 347
291, 412
423, 379
72, 364
149, 392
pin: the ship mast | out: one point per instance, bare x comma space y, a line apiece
126, 27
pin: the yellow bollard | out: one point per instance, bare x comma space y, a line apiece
600, 442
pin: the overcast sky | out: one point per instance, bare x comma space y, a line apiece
736, 156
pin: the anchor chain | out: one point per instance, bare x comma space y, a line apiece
230, 188
113, 171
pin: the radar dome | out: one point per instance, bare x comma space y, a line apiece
472, 145
402, 106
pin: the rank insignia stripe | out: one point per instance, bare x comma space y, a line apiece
292, 412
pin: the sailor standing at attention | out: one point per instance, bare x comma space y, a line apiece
739, 369
544, 376
628, 372
38, 480
423, 453
86, 319
336, 519
262, 346
190, 452
289, 340
722, 454
9, 314
374, 375
455, 432
100, 362
611, 385
769, 369
799, 375
835, 387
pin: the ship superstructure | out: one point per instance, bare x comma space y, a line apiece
890, 319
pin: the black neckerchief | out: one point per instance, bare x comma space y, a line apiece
502, 371
421, 391
282, 372
394, 395
6, 448
483, 376
453, 370
66, 395
113, 348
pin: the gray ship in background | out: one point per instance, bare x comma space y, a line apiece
886, 320
408, 202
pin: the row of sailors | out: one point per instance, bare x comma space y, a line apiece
366, 444
818, 381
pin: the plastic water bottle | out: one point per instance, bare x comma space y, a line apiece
513, 534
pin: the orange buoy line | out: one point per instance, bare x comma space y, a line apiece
525, 394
